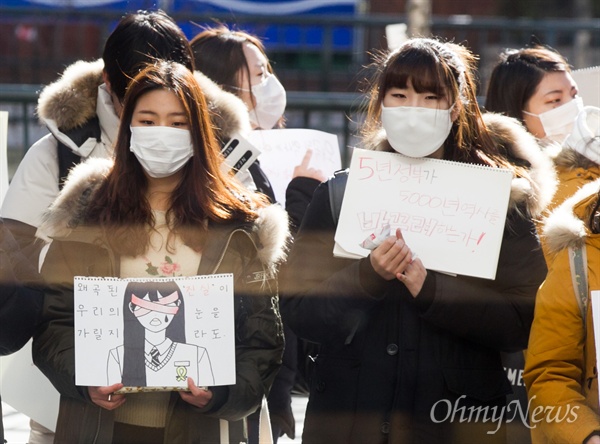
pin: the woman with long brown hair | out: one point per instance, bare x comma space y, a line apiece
164, 196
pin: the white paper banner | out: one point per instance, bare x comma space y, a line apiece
451, 214
27, 390
284, 149
190, 321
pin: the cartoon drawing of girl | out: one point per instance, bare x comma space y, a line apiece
154, 350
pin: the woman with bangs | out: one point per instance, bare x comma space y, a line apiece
408, 354
163, 208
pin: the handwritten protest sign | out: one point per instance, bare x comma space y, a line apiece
451, 214
283, 149
154, 332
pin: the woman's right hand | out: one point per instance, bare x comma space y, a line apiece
304, 170
391, 257
104, 397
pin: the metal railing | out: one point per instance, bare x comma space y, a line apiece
305, 63
321, 94
338, 113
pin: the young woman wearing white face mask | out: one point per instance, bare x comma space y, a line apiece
535, 86
237, 61
163, 199
397, 340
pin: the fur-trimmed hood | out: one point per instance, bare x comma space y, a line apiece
571, 159
566, 226
535, 194
62, 220
70, 101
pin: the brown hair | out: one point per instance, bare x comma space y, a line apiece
218, 54
204, 193
446, 69
516, 78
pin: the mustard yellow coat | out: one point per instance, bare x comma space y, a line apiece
560, 366
573, 172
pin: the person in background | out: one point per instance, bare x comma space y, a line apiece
165, 192
561, 372
534, 85
396, 338
237, 62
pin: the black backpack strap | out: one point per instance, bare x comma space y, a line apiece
67, 159
337, 187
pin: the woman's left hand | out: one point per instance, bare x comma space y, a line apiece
197, 396
413, 277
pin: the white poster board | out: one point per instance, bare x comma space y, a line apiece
588, 84
27, 390
283, 149
190, 320
451, 214
3, 154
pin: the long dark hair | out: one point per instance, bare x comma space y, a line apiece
139, 38
134, 367
447, 69
204, 193
516, 76
219, 55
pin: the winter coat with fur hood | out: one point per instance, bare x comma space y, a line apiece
574, 170
66, 107
251, 251
560, 368
398, 369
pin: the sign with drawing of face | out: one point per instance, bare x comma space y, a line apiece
154, 333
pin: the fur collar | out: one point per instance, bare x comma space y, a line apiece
68, 210
564, 227
71, 100
535, 194
572, 160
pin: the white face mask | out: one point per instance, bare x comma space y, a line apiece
558, 122
415, 131
161, 150
585, 137
270, 103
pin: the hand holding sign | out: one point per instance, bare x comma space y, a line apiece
391, 257
197, 396
104, 397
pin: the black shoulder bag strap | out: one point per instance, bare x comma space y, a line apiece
67, 159
337, 187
